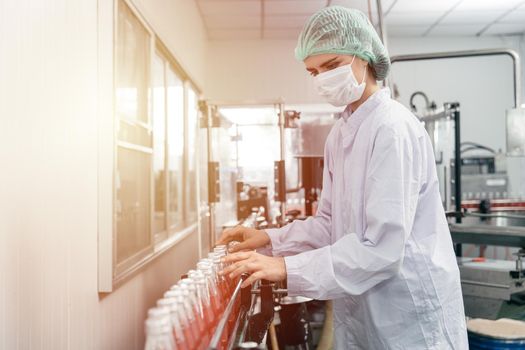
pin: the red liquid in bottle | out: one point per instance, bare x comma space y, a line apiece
199, 329
224, 340
193, 328
225, 292
216, 305
190, 340
209, 319
180, 341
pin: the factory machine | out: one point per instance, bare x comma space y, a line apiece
487, 221
263, 189
263, 316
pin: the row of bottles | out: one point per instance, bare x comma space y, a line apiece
188, 314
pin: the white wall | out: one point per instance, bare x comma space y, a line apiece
259, 69
248, 70
263, 69
48, 182
482, 85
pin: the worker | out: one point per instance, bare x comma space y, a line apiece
379, 245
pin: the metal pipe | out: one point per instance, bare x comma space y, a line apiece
382, 29
211, 206
485, 284
472, 53
457, 169
457, 163
246, 103
237, 148
275, 291
326, 340
282, 155
273, 337
422, 94
434, 117
446, 203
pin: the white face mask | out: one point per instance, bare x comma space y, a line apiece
339, 86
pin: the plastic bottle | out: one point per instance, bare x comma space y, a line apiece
158, 330
187, 319
176, 325
190, 292
203, 294
207, 268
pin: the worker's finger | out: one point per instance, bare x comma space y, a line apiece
234, 266
240, 247
234, 257
252, 279
228, 269
248, 267
226, 236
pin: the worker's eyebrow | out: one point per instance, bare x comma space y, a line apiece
329, 61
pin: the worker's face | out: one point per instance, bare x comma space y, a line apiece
317, 64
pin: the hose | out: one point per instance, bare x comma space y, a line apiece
273, 337
326, 342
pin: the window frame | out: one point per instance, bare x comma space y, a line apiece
112, 274
196, 148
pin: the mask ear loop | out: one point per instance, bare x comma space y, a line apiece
364, 75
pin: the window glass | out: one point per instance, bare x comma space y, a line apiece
175, 104
191, 194
134, 153
133, 202
132, 56
159, 143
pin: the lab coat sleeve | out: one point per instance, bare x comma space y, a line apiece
314, 232
353, 265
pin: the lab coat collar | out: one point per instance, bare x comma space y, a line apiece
352, 120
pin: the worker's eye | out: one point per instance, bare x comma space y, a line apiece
332, 66
313, 74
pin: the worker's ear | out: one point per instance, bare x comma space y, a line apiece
372, 71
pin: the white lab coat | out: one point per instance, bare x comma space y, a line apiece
379, 245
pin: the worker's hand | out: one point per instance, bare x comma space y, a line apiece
257, 265
250, 238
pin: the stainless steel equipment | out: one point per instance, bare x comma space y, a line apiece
516, 131
306, 159
492, 288
264, 311
220, 118
258, 309
484, 186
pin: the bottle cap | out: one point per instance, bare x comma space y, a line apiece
166, 302
158, 312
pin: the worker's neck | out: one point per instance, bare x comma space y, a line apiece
370, 89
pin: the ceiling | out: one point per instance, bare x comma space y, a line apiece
283, 19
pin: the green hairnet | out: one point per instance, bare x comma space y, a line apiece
341, 30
